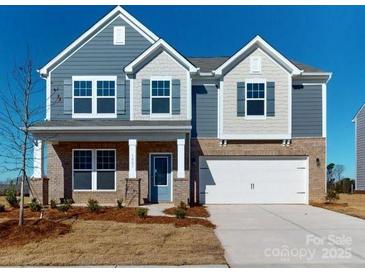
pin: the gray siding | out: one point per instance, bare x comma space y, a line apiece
98, 57
205, 107
360, 150
307, 110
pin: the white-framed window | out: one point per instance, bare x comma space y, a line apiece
94, 96
94, 169
255, 99
119, 35
161, 96
255, 64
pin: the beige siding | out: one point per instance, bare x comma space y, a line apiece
271, 72
162, 65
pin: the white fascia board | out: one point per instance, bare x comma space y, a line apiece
325, 74
354, 119
261, 42
170, 50
108, 128
77, 43
255, 136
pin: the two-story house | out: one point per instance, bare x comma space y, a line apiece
129, 117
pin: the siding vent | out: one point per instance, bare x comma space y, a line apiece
255, 64
119, 35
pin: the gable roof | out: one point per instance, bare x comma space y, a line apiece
117, 11
357, 113
160, 44
208, 64
258, 41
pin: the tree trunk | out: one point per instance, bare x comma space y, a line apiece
21, 209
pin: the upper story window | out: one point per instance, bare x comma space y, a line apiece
160, 97
94, 97
255, 99
119, 35
255, 64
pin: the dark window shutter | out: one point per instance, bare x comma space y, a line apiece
67, 96
145, 96
121, 96
175, 96
270, 99
241, 94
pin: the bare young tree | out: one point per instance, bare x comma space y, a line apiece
17, 114
338, 171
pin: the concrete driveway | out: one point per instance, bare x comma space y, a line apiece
288, 236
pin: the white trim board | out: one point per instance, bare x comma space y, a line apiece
117, 11
168, 49
263, 44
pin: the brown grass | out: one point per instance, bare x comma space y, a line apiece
345, 208
32, 231
124, 215
113, 243
194, 211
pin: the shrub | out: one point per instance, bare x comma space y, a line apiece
53, 204
180, 213
2, 208
120, 203
34, 205
332, 196
93, 205
142, 212
11, 198
183, 205
64, 207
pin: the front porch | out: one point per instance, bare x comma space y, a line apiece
139, 168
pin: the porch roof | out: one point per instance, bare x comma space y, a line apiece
109, 130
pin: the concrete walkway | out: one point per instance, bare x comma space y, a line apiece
157, 209
288, 236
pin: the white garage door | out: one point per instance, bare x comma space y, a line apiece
253, 180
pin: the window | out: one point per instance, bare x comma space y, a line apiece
94, 97
255, 102
255, 64
160, 97
94, 169
105, 96
82, 97
105, 167
82, 169
119, 35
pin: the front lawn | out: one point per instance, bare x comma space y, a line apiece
110, 237
350, 204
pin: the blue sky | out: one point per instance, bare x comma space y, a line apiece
331, 38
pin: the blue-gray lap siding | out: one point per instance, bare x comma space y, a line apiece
205, 111
97, 57
360, 150
307, 110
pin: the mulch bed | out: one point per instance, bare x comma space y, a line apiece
194, 211
124, 215
32, 231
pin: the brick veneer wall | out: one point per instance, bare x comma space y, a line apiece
38, 189
60, 169
312, 147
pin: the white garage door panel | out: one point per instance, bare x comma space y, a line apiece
237, 180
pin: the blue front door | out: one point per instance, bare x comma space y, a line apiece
160, 178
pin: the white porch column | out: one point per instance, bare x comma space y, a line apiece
132, 158
180, 158
38, 171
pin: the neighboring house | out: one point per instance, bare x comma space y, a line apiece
130, 117
359, 121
